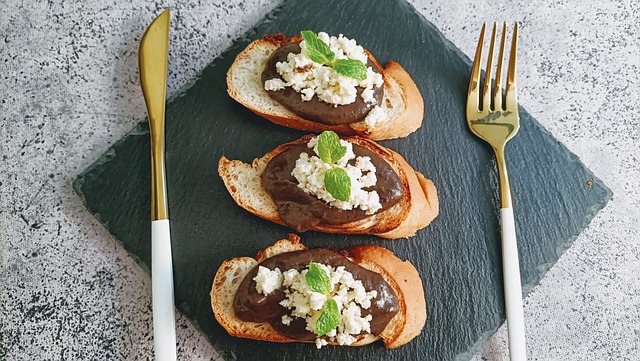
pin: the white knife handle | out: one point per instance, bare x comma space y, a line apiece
512, 287
164, 319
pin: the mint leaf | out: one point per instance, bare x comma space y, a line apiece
329, 148
317, 49
320, 52
317, 279
329, 318
338, 184
351, 68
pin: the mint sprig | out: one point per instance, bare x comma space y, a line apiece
320, 52
329, 318
336, 180
317, 279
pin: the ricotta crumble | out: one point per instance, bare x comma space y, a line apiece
309, 171
348, 293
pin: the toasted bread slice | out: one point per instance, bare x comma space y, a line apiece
415, 210
402, 101
400, 275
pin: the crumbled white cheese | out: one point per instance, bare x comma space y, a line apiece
353, 322
316, 300
274, 84
320, 342
367, 95
286, 320
349, 294
376, 115
299, 301
309, 171
267, 280
310, 78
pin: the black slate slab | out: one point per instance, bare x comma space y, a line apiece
458, 256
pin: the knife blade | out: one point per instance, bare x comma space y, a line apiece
153, 58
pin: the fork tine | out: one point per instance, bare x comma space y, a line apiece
486, 94
511, 101
473, 96
497, 91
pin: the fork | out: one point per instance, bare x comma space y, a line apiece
496, 122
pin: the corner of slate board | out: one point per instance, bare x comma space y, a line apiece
458, 255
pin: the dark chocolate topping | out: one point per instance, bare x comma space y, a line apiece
251, 306
302, 211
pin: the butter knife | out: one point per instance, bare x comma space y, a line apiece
153, 57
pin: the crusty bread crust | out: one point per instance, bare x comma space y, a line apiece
400, 275
415, 210
402, 100
423, 208
405, 280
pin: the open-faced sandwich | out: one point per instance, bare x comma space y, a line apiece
320, 82
351, 297
328, 184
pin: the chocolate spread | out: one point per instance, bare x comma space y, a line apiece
302, 211
251, 306
315, 109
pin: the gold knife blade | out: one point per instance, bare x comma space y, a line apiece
153, 57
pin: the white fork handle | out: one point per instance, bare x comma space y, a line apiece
164, 319
512, 287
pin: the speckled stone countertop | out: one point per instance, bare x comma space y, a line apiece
69, 89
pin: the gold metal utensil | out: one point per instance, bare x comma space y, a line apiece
153, 56
497, 121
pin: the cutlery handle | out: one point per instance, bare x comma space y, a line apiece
164, 322
512, 287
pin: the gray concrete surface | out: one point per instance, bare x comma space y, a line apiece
69, 89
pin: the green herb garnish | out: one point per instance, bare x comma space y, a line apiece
320, 52
329, 148
351, 68
317, 279
317, 49
329, 318
336, 180
338, 184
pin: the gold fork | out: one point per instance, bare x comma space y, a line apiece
496, 122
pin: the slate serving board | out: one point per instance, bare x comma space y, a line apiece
458, 256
